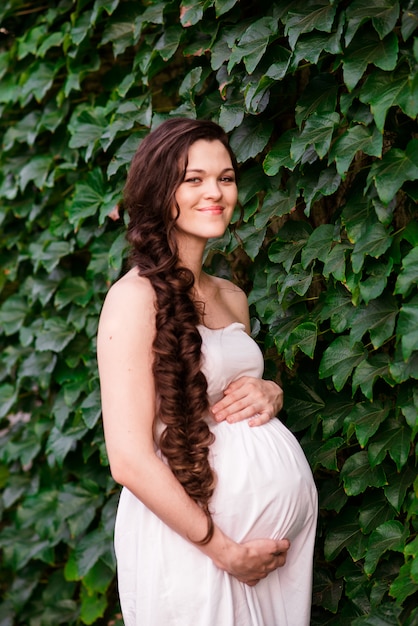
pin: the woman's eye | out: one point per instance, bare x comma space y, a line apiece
192, 180
227, 179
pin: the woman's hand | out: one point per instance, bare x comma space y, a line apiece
249, 397
253, 560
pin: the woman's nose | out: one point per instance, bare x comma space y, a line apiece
213, 189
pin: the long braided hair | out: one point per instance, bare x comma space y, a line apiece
157, 170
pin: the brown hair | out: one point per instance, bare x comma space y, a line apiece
157, 170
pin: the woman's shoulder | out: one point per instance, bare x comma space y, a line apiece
132, 296
232, 299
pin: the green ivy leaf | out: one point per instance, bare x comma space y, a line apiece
88, 197
366, 418
318, 245
374, 285
338, 308
13, 313
317, 133
320, 98
383, 13
93, 606
390, 535
303, 337
375, 511
169, 41
38, 80
73, 289
383, 90
55, 335
404, 584
304, 19
279, 155
378, 318
408, 275
398, 485
250, 138
407, 328
253, 43
369, 48
394, 438
346, 534
357, 474
339, 360
393, 170
365, 374
374, 241
367, 139
8, 395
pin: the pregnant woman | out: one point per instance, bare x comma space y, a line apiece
217, 515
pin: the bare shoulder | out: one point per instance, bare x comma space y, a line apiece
232, 298
130, 300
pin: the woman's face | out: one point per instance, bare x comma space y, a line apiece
208, 194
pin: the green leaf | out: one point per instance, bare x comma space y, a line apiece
13, 313
378, 318
325, 454
55, 335
338, 308
404, 585
86, 554
169, 41
73, 289
408, 276
317, 133
393, 170
250, 138
374, 241
369, 48
279, 155
395, 438
407, 328
357, 474
368, 140
374, 285
318, 244
320, 98
347, 533
302, 404
366, 418
88, 197
37, 80
383, 13
93, 606
375, 511
390, 535
253, 43
36, 171
383, 90
87, 126
7, 398
304, 19
231, 116
276, 203
398, 485
339, 360
298, 280
335, 261
365, 374
303, 337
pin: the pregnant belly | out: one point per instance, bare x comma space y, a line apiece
264, 484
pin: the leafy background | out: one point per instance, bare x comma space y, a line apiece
320, 98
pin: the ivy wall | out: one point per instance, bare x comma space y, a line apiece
320, 99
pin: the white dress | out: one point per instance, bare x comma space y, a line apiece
264, 489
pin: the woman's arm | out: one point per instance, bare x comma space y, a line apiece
126, 332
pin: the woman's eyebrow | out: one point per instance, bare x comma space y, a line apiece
196, 169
